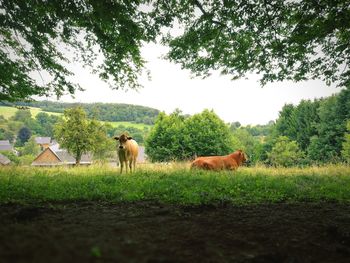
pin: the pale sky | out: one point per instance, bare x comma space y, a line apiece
170, 88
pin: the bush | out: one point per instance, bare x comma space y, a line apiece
286, 153
176, 137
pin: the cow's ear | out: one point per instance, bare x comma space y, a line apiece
129, 138
116, 138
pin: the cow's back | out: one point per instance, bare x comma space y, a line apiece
227, 162
132, 149
210, 163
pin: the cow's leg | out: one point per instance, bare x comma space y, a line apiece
126, 166
130, 165
134, 163
121, 166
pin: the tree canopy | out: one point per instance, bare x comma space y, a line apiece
79, 135
280, 40
175, 137
35, 35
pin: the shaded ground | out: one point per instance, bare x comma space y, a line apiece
151, 232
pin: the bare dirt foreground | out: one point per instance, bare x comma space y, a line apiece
152, 232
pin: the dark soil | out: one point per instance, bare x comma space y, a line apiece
152, 232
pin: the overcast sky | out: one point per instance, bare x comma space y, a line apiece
170, 88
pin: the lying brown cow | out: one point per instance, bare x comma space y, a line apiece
227, 162
128, 150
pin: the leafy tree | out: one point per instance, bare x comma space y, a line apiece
249, 144
7, 135
175, 137
103, 146
285, 153
165, 141
286, 124
76, 133
23, 136
346, 144
334, 112
306, 115
260, 130
46, 124
235, 125
206, 134
22, 115
280, 40
31, 147
299, 122
26, 159
31, 29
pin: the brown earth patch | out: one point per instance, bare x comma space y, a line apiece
153, 232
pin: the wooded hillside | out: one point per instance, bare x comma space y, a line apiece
101, 111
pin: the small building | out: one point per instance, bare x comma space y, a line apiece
44, 142
54, 156
4, 160
5, 145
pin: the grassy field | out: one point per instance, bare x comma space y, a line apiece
140, 126
175, 183
8, 112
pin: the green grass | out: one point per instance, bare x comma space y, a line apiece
8, 112
139, 126
175, 184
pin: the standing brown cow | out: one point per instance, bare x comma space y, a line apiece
227, 162
128, 150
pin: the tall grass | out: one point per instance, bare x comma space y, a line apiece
175, 183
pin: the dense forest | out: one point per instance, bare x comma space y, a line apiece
312, 132
100, 111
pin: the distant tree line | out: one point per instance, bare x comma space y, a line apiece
100, 111
318, 128
312, 132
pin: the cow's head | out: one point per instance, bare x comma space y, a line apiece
243, 156
122, 140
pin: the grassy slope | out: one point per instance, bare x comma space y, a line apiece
8, 112
176, 185
140, 126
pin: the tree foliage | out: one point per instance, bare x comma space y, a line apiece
317, 126
31, 31
99, 111
175, 137
346, 144
206, 134
31, 147
285, 153
299, 122
280, 40
77, 134
23, 136
165, 141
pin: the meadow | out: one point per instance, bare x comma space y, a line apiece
9, 112
174, 183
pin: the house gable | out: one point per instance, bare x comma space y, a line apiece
47, 157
